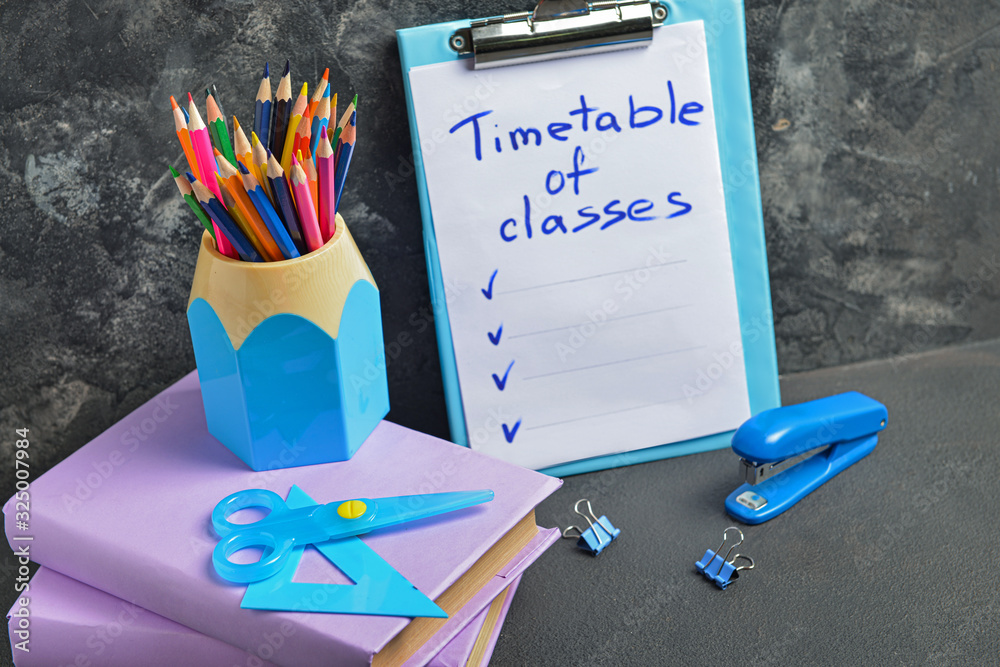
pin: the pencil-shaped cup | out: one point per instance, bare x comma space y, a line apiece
290, 354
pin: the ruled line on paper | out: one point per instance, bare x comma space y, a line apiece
599, 275
610, 319
602, 414
612, 363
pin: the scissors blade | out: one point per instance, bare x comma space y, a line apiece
402, 509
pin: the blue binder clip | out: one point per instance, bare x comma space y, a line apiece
723, 571
600, 534
787, 453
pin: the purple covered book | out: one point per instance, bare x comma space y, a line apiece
129, 514
75, 624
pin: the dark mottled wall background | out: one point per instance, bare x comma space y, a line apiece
877, 130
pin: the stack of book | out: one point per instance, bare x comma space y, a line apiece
123, 531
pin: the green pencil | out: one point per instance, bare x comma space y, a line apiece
188, 193
217, 128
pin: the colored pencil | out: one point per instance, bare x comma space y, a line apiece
183, 135
346, 150
281, 114
218, 100
217, 125
320, 92
320, 120
284, 203
346, 118
229, 176
184, 185
309, 167
259, 159
262, 106
187, 118
202, 146
305, 207
267, 213
206, 165
301, 106
303, 134
223, 221
326, 169
244, 152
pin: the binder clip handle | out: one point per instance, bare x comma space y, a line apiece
721, 570
598, 536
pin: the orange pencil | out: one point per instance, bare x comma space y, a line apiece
301, 106
184, 136
230, 177
260, 164
320, 91
244, 153
303, 134
229, 204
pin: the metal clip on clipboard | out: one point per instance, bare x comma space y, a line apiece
558, 29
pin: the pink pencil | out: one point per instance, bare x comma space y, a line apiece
202, 145
326, 170
305, 207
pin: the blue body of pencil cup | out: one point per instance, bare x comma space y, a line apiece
290, 354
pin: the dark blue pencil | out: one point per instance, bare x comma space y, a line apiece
221, 217
285, 204
282, 112
262, 108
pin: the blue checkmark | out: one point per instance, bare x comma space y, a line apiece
501, 383
488, 292
495, 337
509, 433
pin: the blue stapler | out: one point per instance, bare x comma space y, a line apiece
787, 453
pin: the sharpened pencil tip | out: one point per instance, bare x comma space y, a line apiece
190, 176
173, 102
326, 93
267, 71
208, 92
173, 172
243, 169
190, 99
355, 101
288, 68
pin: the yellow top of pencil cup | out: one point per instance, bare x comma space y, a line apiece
315, 286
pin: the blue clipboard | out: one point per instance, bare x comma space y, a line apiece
727, 58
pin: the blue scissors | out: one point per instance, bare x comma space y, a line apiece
283, 528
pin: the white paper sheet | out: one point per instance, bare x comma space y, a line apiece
612, 324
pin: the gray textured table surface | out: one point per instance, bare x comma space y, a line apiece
892, 562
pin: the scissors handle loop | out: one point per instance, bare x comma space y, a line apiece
239, 536
272, 559
242, 500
